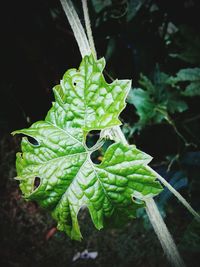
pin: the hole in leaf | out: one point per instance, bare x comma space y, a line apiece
91, 138
98, 155
36, 183
74, 83
106, 145
137, 200
32, 141
85, 221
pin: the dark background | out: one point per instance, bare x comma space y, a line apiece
37, 47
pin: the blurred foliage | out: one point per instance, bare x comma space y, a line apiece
160, 39
164, 96
100, 5
187, 45
192, 77
157, 100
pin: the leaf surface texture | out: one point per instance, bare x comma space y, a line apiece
57, 170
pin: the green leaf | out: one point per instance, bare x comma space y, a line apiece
145, 106
175, 104
85, 100
192, 89
57, 170
156, 100
191, 75
147, 84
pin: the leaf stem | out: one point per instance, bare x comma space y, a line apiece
98, 145
118, 135
171, 122
77, 27
88, 27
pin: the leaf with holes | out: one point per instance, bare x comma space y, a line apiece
56, 170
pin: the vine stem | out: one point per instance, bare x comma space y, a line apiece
77, 27
163, 234
155, 218
176, 194
88, 27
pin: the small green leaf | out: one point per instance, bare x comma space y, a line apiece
191, 75
192, 89
57, 170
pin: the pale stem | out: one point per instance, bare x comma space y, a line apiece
163, 234
118, 134
88, 27
77, 27
176, 194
